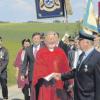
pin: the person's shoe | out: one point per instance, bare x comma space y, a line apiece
5, 98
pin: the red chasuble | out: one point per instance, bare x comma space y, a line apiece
48, 62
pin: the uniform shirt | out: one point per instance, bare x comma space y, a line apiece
35, 49
87, 53
77, 54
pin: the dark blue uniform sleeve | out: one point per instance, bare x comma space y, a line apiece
97, 81
68, 75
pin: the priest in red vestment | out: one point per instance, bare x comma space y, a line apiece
49, 59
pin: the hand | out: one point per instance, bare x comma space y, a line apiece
26, 73
70, 87
22, 78
57, 76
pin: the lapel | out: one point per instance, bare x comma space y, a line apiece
72, 55
31, 50
87, 59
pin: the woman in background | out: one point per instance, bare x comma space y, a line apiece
23, 84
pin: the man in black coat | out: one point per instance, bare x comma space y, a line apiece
74, 54
66, 49
4, 58
87, 73
29, 58
61, 44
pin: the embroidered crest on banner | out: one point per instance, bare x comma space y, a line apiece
49, 5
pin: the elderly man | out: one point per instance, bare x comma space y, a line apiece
87, 73
3, 70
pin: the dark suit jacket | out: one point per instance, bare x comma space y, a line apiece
29, 60
87, 78
71, 57
64, 46
3, 62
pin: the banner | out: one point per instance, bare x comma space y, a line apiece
89, 20
49, 8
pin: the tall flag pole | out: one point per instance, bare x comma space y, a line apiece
68, 7
99, 16
84, 4
89, 19
99, 8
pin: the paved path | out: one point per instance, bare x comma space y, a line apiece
13, 94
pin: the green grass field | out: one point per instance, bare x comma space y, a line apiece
13, 33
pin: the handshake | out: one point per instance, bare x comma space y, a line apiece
56, 76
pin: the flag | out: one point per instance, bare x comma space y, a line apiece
99, 17
89, 19
49, 8
68, 7
99, 8
84, 3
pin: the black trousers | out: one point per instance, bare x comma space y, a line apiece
26, 91
4, 87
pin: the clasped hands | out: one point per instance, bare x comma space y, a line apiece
57, 76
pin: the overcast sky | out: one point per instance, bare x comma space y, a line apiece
24, 10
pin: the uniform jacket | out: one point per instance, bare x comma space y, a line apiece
87, 78
64, 46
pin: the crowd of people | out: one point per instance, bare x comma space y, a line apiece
51, 68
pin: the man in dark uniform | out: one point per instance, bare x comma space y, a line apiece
87, 73
3, 70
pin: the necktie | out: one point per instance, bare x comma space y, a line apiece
35, 52
80, 59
